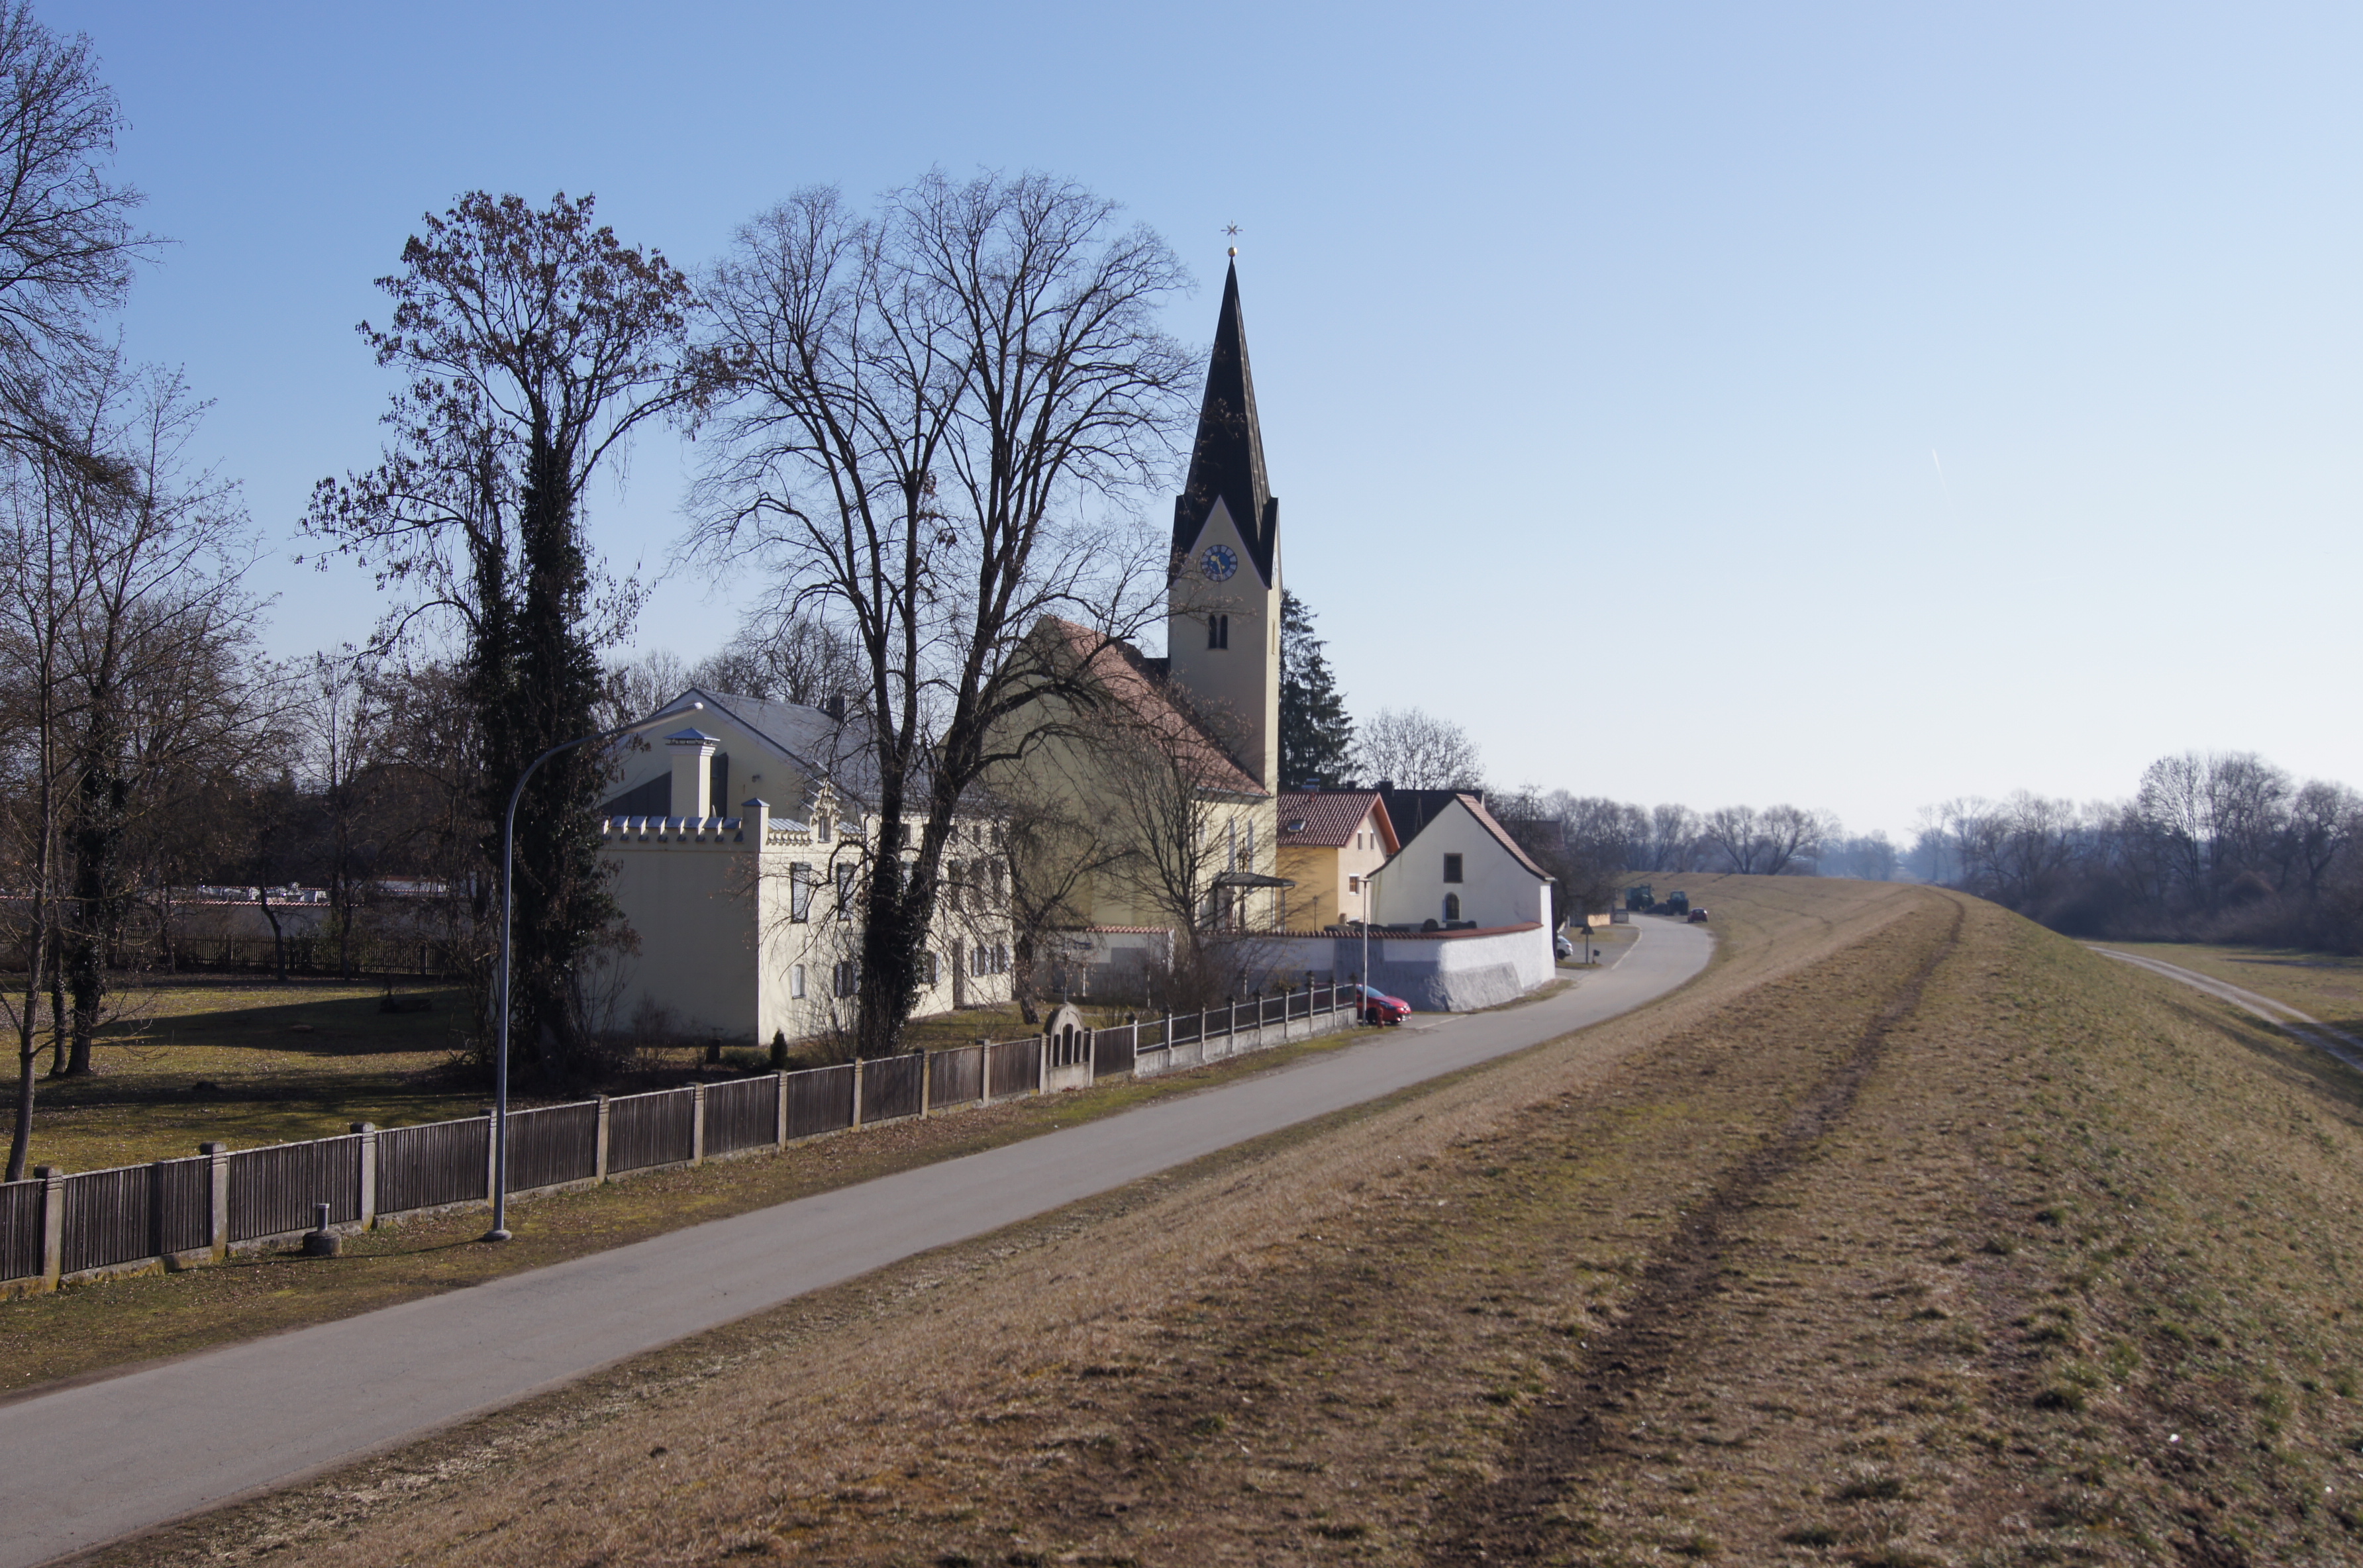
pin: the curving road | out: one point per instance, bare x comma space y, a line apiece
89, 1464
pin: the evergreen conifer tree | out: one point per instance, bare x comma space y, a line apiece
1316, 736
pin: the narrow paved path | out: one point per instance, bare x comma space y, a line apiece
2313, 1031
89, 1464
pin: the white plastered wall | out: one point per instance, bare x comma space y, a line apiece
1494, 889
719, 948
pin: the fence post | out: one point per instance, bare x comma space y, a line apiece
491, 1154
156, 1209
779, 1111
217, 1199
857, 1092
924, 1084
367, 1207
599, 1143
1090, 1057
697, 1124
53, 1223
1042, 1065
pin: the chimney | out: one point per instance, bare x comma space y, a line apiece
836, 709
693, 773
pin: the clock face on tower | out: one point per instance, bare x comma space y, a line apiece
1218, 563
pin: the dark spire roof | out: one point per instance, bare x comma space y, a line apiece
1228, 459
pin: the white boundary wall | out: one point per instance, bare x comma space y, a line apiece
1456, 971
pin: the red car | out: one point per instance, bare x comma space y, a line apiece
1379, 1008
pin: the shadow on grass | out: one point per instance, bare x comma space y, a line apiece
339, 1026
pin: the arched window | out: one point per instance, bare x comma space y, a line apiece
1452, 906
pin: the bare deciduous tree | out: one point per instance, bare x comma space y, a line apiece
536, 342
791, 659
1416, 750
929, 414
66, 241
1767, 842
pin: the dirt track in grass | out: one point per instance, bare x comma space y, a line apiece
1909, 1234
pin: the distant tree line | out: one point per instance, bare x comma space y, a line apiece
2213, 845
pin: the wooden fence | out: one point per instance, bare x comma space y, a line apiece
178, 1213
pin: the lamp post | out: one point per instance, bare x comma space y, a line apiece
1360, 1007
500, 1230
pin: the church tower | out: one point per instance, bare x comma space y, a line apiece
1222, 630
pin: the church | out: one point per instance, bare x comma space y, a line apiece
1156, 814
1141, 823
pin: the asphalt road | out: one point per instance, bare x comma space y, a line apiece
95, 1463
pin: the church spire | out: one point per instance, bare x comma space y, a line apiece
1227, 462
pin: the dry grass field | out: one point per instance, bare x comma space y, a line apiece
2324, 985
1909, 1235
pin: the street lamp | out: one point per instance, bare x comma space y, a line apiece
1360, 1007
500, 1230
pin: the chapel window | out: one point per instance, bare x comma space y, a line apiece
1452, 906
1452, 869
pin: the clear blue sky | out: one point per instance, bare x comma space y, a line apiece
1607, 355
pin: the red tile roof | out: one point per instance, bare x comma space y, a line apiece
1331, 818
1123, 672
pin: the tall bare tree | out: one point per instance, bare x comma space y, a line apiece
789, 658
1767, 843
1416, 750
67, 244
160, 659
535, 343
44, 599
932, 418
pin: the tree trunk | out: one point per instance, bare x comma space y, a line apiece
540, 684
29, 1054
58, 1034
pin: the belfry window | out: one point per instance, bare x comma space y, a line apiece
1218, 631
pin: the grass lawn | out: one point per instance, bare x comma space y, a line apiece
2325, 985
248, 1064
